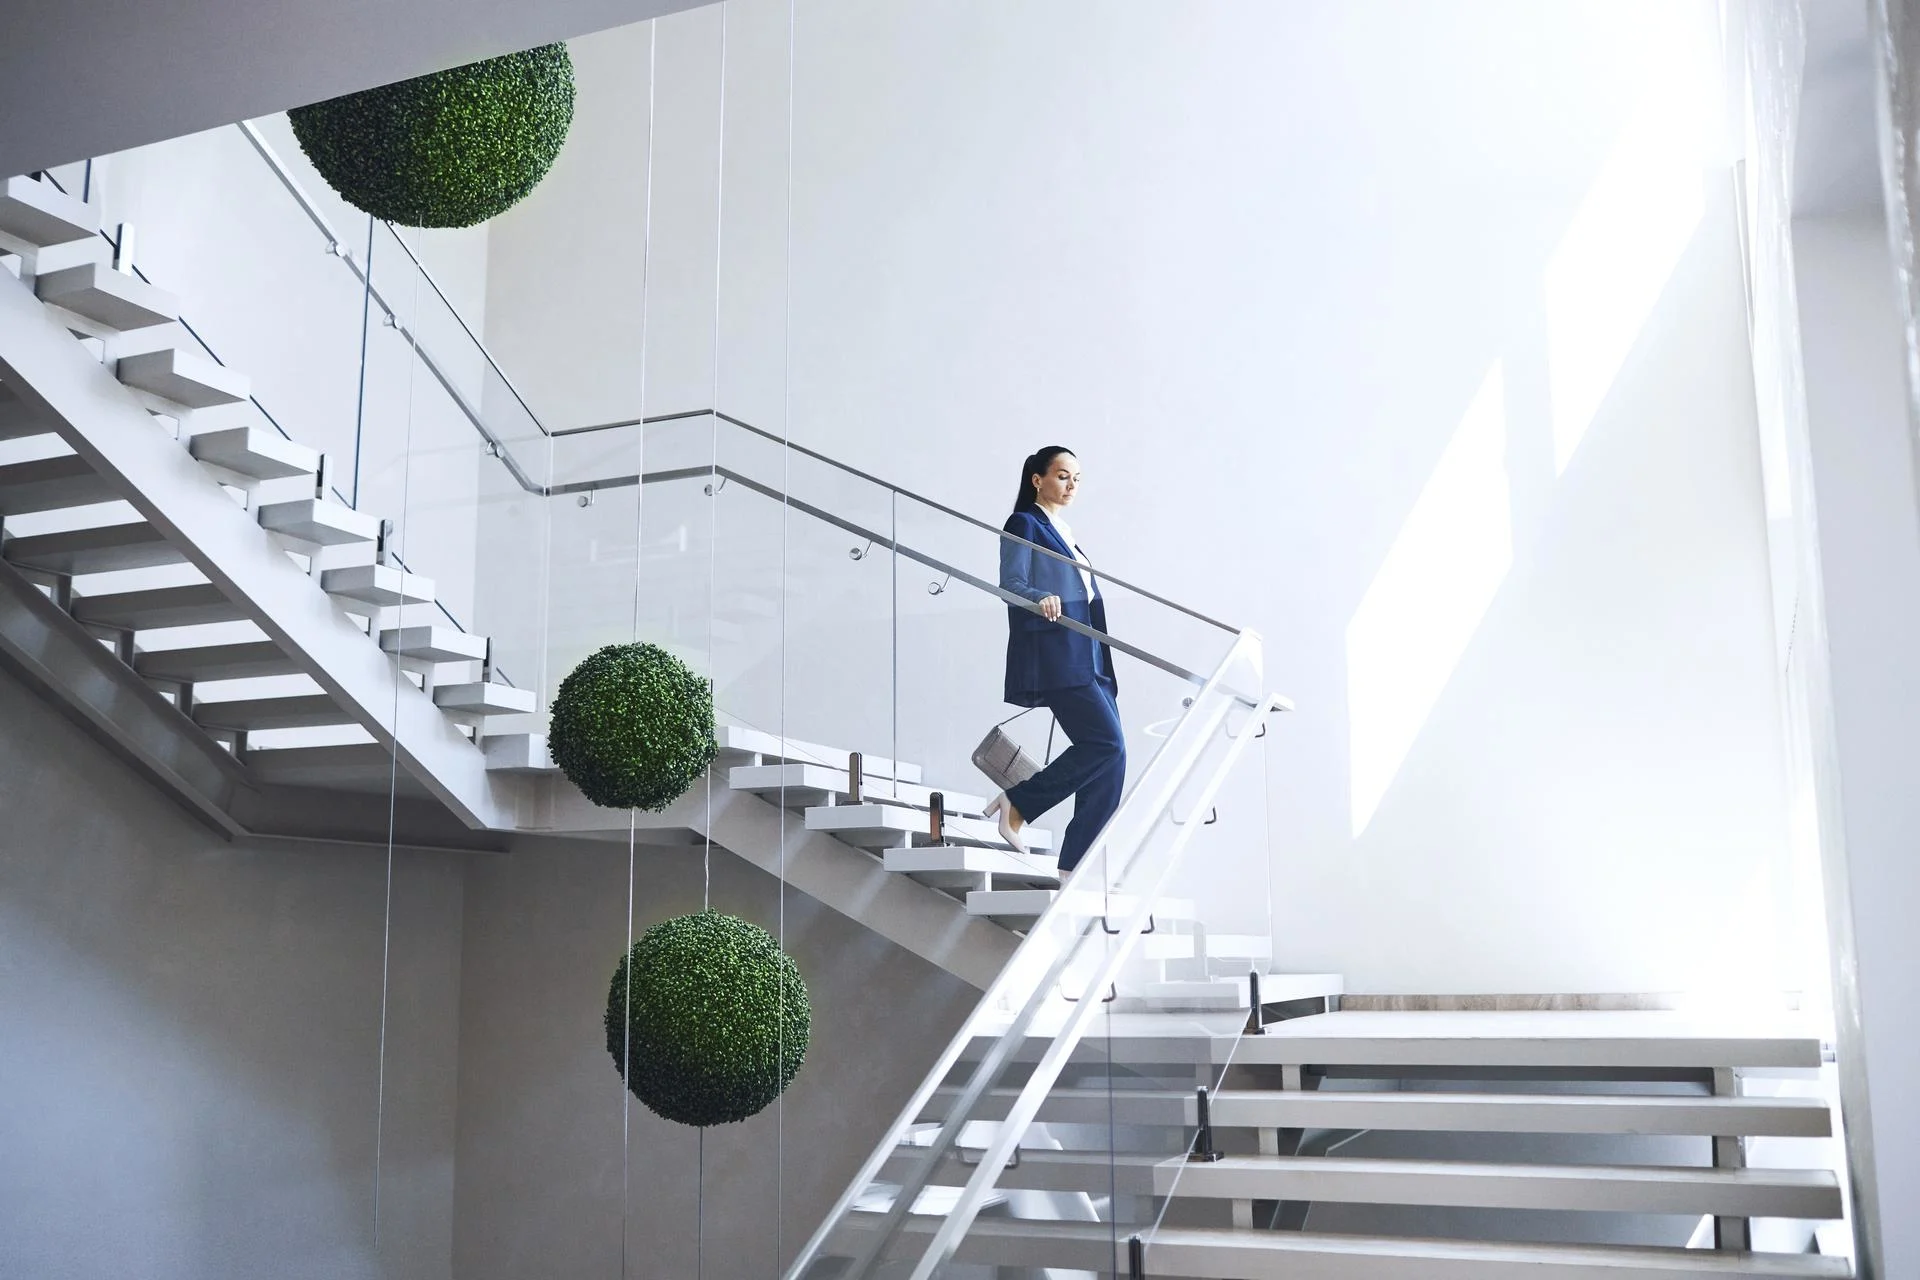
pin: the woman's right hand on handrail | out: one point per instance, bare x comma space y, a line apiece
1049, 608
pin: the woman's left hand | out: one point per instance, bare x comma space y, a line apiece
1050, 608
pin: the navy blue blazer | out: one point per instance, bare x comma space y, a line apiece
1044, 655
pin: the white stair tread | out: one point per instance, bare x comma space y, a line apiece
1010, 903
1757, 1193
1223, 1254
430, 643
1522, 1113
805, 784
519, 753
381, 585
1420, 1111
182, 377
110, 299
479, 699
246, 660
971, 860
104, 548
301, 711
48, 484
186, 606
878, 825
1569, 1039
318, 521
749, 741
1275, 988
254, 452
41, 215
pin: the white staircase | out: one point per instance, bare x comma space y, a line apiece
1507, 1128
241, 522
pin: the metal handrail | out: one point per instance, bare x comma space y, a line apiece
501, 450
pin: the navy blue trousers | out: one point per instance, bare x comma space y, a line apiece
1093, 770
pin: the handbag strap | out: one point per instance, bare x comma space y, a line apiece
1015, 716
1050, 729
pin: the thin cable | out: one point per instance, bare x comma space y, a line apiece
360, 400
393, 756
639, 545
713, 508
786, 464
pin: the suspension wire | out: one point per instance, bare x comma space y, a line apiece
713, 509
639, 548
393, 727
786, 467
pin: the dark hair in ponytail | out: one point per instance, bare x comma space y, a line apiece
1037, 464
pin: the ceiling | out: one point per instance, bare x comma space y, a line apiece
82, 80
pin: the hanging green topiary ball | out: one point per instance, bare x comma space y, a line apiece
716, 1017
632, 727
448, 149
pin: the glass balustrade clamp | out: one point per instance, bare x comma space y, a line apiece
1203, 1151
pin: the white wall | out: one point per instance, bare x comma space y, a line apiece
1276, 272
214, 227
1861, 466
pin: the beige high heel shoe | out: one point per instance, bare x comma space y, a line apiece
1001, 812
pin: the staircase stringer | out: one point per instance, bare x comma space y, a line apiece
851, 881
102, 422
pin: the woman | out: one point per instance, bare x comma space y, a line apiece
1054, 666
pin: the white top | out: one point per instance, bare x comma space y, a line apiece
1065, 531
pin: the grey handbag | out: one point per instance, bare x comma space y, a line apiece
1002, 759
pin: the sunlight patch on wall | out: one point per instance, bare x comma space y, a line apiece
1621, 248
1427, 601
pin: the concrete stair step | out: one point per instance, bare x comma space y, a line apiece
49, 484
111, 300
1225, 1254
1233, 993
300, 711
429, 644
949, 866
1558, 1042
186, 606
38, 215
1745, 1193
247, 660
519, 753
738, 740
480, 700
318, 522
106, 548
1420, 1111
254, 453
883, 826
1523, 1113
803, 786
1028, 904
184, 378
380, 585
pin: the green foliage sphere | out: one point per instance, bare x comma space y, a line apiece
448, 149
632, 727
716, 1018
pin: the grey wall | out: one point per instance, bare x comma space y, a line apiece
541, 1110
189, 1051
189, 1036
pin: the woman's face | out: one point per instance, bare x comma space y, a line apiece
1056, 487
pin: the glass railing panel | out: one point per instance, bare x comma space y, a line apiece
208, 221
1043, 1005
